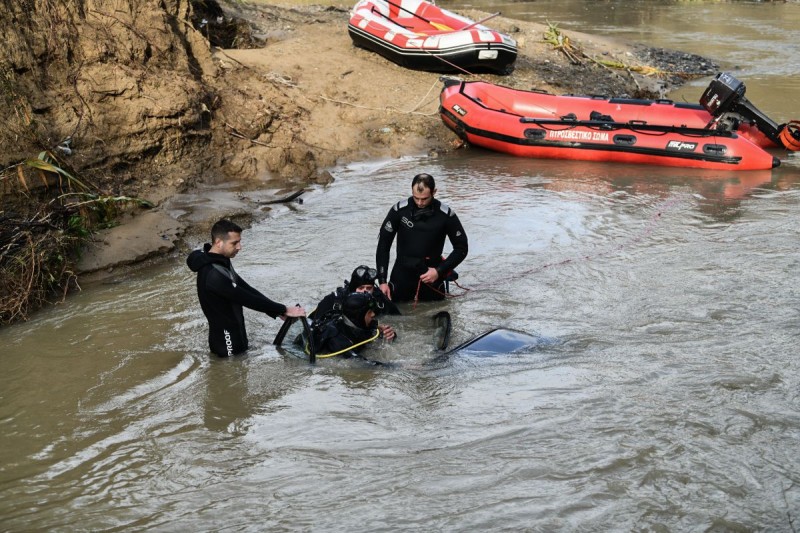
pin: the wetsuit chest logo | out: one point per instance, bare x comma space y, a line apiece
228, 342
407, 222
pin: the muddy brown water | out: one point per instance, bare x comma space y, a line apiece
663, 396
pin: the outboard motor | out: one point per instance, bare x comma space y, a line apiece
724, 99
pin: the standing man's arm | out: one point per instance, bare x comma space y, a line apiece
247, 296
273, 307
385, 239
458, 238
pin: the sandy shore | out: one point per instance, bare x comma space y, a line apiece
307, 100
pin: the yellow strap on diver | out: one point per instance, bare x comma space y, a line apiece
325, 356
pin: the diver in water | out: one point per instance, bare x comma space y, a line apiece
347, 331
421, 224
362, 279
223, 293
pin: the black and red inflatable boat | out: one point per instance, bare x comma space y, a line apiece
725, 131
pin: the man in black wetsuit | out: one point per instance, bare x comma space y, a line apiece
421, 224
223, 293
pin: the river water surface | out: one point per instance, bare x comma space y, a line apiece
664, 395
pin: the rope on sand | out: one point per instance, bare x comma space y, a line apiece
413, 111
287, 81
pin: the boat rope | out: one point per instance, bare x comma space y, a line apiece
287, 81
479, 22
443, 60
420, 103
412, 111
641, 128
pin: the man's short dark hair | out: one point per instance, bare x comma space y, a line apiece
425, 179
221, 228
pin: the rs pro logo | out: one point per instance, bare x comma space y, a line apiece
681, 146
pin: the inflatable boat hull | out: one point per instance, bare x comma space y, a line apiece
541, 125
419, 35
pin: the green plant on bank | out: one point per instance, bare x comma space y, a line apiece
560, 41
48, 213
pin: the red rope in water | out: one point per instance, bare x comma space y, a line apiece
434, 289
662, 208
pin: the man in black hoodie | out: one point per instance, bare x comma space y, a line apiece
223, 293
421, 224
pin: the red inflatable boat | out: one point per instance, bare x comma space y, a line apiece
422, 36
725, 132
